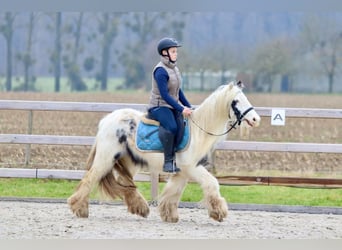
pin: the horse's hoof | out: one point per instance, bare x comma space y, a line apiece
218, 209
82, 213
171, 219
142, 210
79, 209
216, 216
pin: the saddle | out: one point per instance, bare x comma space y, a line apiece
147, 138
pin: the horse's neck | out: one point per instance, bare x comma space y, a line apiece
212, 117
212, 114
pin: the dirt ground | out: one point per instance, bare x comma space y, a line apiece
54, 220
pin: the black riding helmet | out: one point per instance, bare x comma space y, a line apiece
167, 43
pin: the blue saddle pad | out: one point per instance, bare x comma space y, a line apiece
147, 138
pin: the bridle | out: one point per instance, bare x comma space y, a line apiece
238, 114
239, 117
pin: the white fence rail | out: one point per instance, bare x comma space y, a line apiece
109, 107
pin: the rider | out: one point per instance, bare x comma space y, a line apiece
168, 103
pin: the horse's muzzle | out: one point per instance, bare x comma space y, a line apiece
253, 121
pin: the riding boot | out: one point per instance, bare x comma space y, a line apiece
167, 139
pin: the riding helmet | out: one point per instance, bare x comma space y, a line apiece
167, 43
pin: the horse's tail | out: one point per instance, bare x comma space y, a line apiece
117, 187
110, 185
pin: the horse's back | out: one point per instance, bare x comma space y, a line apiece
120, 115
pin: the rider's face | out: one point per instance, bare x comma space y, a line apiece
172, 53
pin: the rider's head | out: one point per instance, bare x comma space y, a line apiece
164, 46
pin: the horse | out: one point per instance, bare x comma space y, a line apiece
114, 160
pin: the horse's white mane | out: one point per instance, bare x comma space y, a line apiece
214, 109
223, 93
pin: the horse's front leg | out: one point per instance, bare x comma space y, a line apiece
214, 202
169, 199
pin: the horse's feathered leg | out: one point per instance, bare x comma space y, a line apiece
78, 202
100, 163
112, 164
122, 186
169, 199
214, 202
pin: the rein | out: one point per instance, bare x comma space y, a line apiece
238, 121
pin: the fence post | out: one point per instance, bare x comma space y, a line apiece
154, 186
29, 131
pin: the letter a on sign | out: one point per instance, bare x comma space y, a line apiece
278, 117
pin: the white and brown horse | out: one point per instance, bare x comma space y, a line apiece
114, 158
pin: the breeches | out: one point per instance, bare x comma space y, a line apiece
170, 119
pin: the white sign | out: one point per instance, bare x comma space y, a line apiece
278, 117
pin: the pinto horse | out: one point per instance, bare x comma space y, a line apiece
114, 159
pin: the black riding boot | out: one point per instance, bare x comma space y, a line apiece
167, 139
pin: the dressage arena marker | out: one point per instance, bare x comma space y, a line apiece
278, 117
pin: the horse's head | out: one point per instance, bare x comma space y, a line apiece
241, 108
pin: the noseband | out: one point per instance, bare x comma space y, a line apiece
237, 113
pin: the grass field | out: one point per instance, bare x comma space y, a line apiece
46, 84
42, 188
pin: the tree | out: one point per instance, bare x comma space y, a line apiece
108, 28
271, 59
26, 57
56, 57
221, 59
7, 30
331, 53
71, 62
147, 28
322, 41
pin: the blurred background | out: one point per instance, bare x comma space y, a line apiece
285, 59
102, 51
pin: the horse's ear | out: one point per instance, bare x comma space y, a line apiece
240, 84
230, 85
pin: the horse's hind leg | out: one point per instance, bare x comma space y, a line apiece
136, 203
122, 185
99, 164
215, 203
169, 199
78, 202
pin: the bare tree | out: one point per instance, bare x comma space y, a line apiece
272, 59
108, 28
146, 28
330, 53
57, 51
322, 40
26, 57
55, 28
72, 51
218, 57
7, 30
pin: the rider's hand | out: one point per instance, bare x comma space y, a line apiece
187, 111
